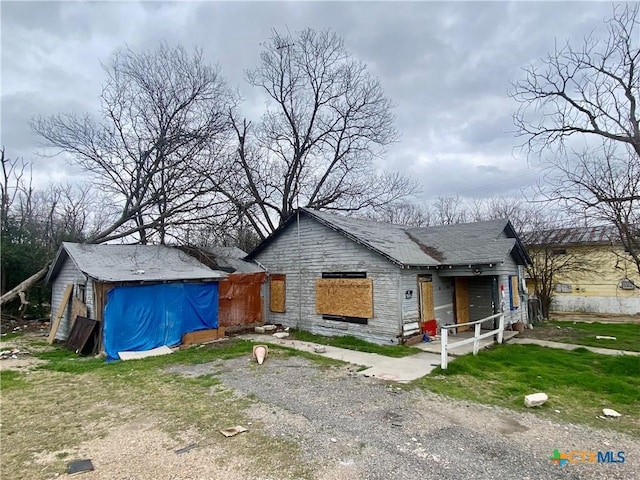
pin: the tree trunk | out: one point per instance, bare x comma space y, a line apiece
24, 286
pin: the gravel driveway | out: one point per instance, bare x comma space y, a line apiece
349, 426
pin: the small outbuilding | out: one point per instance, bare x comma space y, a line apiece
142, 296
336, 275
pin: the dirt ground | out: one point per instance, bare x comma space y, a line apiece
338, 426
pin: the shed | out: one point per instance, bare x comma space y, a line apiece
143, 296
337, 275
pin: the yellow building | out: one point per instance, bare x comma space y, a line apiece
583, 270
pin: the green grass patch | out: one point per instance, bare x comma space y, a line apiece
11, 379
8, 336
579, 383
581, 333
61, 360
352, 343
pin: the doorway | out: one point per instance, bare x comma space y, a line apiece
461, 302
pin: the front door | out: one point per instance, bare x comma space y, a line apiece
461, 299
426, 299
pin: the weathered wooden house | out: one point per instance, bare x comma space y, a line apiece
592, 272
336, 275
143, 296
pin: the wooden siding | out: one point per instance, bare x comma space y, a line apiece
442, 296
324, 250
68, 274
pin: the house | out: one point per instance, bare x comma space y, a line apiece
592, 273
143, 296
336, 275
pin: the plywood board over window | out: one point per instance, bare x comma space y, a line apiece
277, 292
515, 295
345, 297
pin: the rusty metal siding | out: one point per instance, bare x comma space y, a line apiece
325, 250
241, 300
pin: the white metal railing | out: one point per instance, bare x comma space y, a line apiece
444, 336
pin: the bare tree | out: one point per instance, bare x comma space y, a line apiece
552, 261
449, 210
602, 185
161, 138
581, 110
402, 212
34, 222
326, 121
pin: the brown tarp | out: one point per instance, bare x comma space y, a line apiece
241, 300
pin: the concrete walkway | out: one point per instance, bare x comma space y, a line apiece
402, 370
571, 346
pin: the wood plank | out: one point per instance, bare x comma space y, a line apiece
82, 336
277, 293
78, 309
201, 336
345, 296
60, 313
461, 291
426, 301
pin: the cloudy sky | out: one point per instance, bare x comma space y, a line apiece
447, 66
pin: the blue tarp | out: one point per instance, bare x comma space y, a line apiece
142, 317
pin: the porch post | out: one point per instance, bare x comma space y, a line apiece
501, 329
476, 340
444, 333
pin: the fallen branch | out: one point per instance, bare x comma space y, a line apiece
23, 286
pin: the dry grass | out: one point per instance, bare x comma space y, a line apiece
50, 412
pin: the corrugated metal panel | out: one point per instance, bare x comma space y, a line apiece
240, 301
573, 236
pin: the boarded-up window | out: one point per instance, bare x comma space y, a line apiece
515, 295
349, 298
277, 293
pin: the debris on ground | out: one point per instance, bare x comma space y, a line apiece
233, 431
79, 466
13, 353
535, 399
609, 412
281, 335
605, 337
182, 450
260, 353
319, 349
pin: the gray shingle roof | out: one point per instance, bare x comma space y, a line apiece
462, 244
467, 243
132, 263
387, 239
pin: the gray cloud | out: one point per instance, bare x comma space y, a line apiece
448, 66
